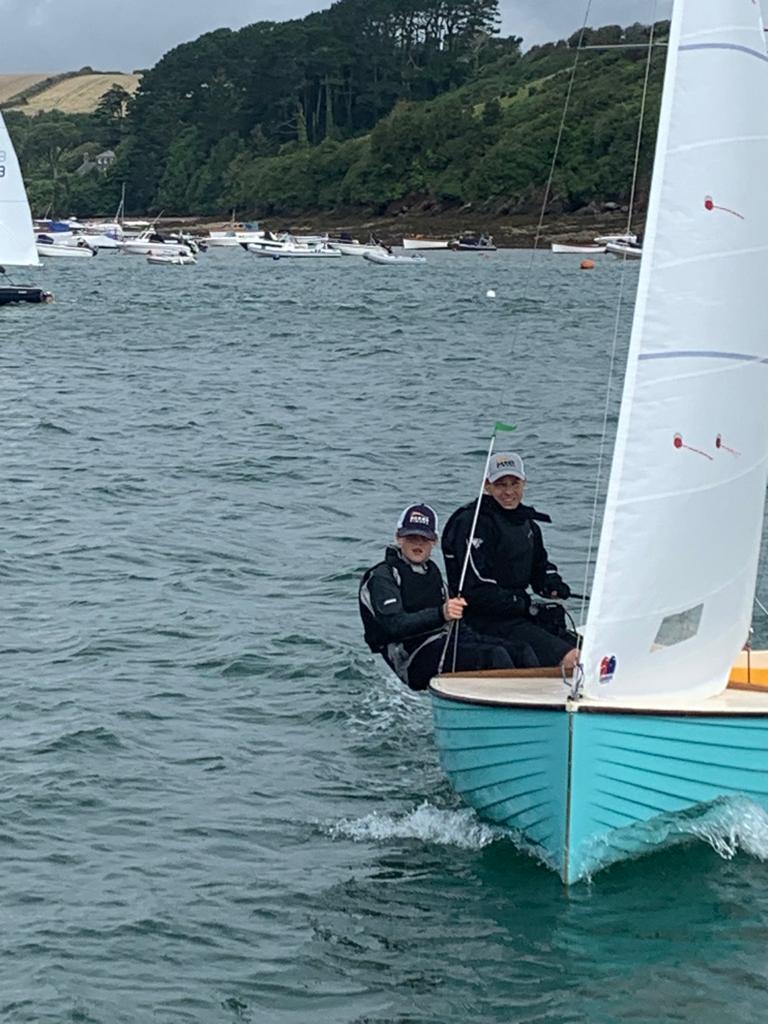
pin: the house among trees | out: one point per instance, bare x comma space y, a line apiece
101, 163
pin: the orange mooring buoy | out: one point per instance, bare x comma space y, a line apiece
587, 264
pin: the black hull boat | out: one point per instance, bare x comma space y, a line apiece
473, 243
12, 293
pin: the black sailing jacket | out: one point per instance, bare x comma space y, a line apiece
507, 557
401, 603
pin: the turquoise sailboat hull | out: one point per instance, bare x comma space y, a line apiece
581, 786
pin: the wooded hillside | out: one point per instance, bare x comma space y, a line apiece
363, 106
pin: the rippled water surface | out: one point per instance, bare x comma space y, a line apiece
217, 806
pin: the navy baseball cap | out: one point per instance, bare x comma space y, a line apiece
418, 521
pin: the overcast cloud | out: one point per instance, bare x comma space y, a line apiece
121, 35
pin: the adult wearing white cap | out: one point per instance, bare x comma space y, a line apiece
506, 557
407, 613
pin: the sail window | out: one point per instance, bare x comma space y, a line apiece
678, 627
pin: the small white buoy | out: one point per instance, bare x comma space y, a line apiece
490, 294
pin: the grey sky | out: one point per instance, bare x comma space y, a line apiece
120, 35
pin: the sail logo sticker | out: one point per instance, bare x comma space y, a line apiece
607, 668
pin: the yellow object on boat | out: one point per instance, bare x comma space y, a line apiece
750, 671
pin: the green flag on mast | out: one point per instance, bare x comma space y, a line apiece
503, 426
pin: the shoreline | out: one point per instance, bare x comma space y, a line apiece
517, 231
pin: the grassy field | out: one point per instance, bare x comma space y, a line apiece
10, 85
79, 95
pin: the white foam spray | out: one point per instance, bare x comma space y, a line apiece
429, 824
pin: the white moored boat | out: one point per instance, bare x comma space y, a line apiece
625, 250
605, 239
104, 235
354, 248
390, 258
172, 261
664, 723
237, 234
580, 250
292, 251
17, 236
599, 245
417, 242
151, 243
50, 249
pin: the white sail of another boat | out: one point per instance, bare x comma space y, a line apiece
675, 576
17, 238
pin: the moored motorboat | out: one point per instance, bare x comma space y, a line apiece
70, 232
605, 239
473, 243
237, 234
292, 251
625, 250
225, 239
351, 247
46, 246
10, 294
393, 259
420, 242
172, 261
152, 243
665, 721
580, 250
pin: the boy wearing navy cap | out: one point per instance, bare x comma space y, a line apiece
406, 610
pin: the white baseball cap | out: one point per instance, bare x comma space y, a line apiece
505, 464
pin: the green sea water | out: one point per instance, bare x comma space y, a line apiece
218, 807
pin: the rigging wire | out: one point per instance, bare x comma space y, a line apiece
616, 326
548, 189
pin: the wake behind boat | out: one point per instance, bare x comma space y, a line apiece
647, 732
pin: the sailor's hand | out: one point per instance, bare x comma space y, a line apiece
454, 608
571, 660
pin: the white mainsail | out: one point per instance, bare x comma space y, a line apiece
675, 576
17, 236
